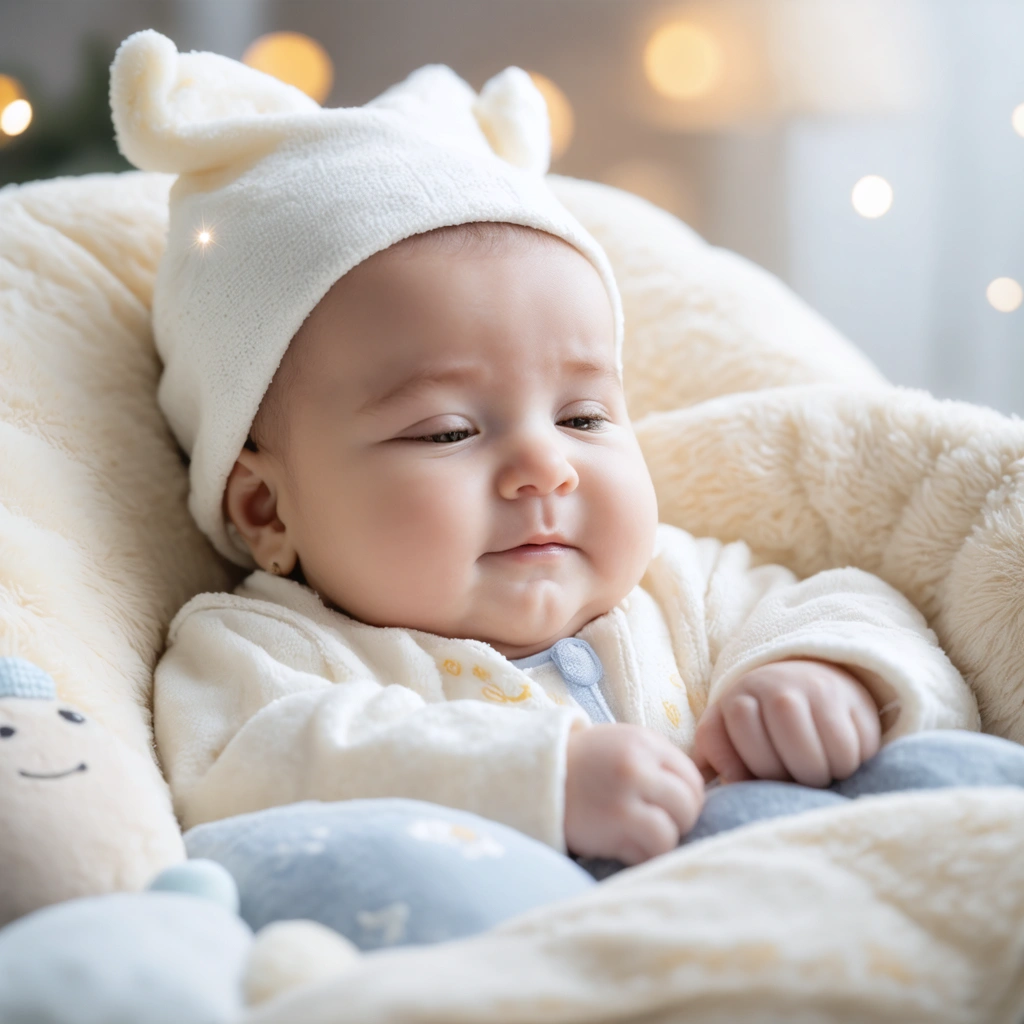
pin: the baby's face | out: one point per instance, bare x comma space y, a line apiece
458, 456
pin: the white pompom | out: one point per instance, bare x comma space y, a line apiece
513, 115
290, 954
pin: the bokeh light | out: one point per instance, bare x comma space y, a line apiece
15, 117
683, 61
293, 58
560, 113
872, 196
1005, 294
15, 110
1018, 119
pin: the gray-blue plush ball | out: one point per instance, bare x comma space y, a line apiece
384, 872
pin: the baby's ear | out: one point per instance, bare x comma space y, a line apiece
186, 112
513, 115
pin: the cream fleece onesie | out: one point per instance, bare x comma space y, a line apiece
266, 696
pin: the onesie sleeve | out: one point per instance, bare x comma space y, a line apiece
755, 615
239, 730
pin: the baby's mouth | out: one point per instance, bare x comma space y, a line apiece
539, 545
52, 775
535, 552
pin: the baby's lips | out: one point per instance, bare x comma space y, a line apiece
537, 540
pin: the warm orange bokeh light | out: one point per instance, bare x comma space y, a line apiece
559, 113
683, 61
295, 59
15, 110
15, 117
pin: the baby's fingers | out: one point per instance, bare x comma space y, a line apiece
676, 797
676, 761
794, 734
713, 750
651, 831
868, 723
749, 738
840, 739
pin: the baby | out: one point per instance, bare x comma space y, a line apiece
446, 449
395, 362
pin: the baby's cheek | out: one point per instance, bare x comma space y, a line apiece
626, 508
424, 520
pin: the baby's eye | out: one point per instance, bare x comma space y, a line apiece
71, 716
583, 422
448, 437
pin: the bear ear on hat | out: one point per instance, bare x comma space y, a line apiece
188, 112
513, 115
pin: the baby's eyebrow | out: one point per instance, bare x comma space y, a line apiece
431, 377
425, 378
604, 373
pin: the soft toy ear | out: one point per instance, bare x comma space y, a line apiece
514, 116
195, 111
439, 104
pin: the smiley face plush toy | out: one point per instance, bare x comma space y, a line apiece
77, 815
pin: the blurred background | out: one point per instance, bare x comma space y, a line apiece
868, 152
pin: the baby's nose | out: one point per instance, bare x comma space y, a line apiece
536, 468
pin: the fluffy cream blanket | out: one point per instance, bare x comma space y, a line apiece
900, 908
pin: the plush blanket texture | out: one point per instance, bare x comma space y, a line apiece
901, 908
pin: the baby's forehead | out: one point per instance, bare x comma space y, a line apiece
447, 297
475, 238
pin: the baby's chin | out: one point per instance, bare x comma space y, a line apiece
516, 621
520, 635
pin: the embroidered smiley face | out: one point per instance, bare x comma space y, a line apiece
22, 741
33, 725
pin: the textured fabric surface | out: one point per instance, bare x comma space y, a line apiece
384, 872
22, 678
926, 494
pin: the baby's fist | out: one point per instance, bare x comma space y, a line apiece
629, 793
802, 721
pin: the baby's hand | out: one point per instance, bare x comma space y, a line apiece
629, 793
802, 721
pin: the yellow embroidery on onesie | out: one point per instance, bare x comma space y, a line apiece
697, 701
493, 693
481, 673
671, 713
452, 667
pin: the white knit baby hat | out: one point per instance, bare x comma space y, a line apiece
276, 198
